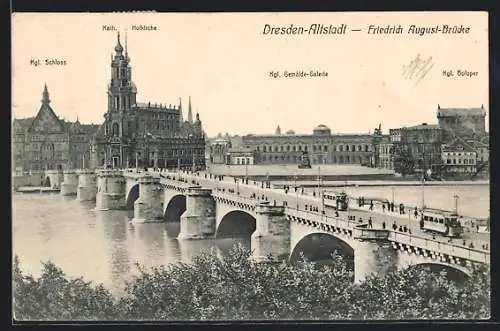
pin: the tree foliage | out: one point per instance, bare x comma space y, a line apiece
236, 288
404, 162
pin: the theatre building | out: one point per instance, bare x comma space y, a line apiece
144, 133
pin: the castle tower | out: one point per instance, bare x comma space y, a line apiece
121, 90
45, 96
190, 112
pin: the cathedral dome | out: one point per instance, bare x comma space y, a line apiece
321, 130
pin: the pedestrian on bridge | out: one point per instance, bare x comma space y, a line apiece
415, 212
370, 224
371, 204
383, 225
383, 207
394, 226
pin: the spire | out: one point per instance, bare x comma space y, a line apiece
181, 117
77, 120
118, 47
45, 99
126, 48
197, 116
190, 112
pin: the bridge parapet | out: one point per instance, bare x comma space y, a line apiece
362, 232
109, 173
427, 247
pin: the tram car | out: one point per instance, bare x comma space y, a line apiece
338, 201
439, 221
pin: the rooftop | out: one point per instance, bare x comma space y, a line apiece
460, 112
424, 126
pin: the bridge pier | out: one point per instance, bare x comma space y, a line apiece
373, 253
55, 177
70, 182
148, 208
110, 190
198, 221
271, 239
87, 185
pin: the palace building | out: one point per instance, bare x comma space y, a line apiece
144, 134
46, 142
322, 147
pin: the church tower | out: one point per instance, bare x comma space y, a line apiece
121, 90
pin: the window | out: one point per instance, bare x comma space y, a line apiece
293, 148
325, 148
347, 148
341, 148
116, 130
264, 149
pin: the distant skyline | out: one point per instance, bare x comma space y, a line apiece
223, 62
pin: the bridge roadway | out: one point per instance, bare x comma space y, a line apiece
298, 201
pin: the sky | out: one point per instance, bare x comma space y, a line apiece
223, 60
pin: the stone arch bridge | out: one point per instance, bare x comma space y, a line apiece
206, 209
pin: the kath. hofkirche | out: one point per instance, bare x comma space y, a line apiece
133, 133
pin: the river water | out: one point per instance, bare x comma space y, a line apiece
104, 246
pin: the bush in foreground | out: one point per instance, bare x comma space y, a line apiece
234, 288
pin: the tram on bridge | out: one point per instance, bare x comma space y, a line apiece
336, 200
440, 221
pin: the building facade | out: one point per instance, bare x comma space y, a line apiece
459, 157
322, 147
46, 142
461, 122
144, 134
459, 137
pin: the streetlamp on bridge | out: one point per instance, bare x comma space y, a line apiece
456, 197
296, 189
246, 170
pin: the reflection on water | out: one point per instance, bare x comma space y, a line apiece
104, 246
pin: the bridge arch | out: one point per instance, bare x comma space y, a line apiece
176, 206
132, 195
453, 272
236, 223
46, 182
319, 247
